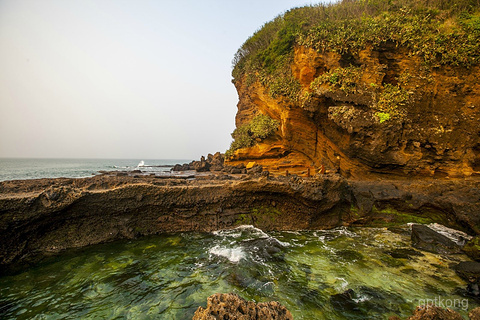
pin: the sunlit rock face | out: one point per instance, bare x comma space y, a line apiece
391, 116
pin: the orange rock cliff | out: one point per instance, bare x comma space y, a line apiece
379, 108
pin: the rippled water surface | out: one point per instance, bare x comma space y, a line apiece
168, 277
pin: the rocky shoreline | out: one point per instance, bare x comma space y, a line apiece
46, 216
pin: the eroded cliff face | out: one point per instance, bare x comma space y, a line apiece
339, 126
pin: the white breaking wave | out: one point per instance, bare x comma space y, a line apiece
141, 164
232, 254
237, 232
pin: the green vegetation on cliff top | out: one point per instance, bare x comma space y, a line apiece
441, 32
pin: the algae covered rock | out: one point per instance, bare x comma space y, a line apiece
472, 248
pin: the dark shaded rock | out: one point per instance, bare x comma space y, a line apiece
468, 270
349, 255
202, 165
472, 248
473, 289
255, 169
183, 167
211, 163
221, 306
216, 161
427, 239
343, 302
404, 253
360, 303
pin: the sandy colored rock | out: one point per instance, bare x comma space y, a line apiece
342, 132
474, 314
230, 306
434, 313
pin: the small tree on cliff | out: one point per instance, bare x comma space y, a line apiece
247, 135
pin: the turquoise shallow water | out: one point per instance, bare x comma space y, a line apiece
169, 276
19, 169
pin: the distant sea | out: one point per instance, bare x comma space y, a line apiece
20, 169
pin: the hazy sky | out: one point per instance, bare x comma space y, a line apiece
122, 79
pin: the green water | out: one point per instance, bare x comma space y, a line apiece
169, 276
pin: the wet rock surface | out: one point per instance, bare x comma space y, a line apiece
46, 216
472, 248
231, 306
425, 238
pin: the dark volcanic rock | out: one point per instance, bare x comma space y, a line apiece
468, 270
427, 239
216, 161
222, 306
404, 253
211, 163
202, 165
183, 167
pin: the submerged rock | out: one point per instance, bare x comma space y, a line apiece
427, 239
344, 302
405, 253
468, 270
365, 301
231, 306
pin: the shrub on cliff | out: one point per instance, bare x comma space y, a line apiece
443, 32
249, 134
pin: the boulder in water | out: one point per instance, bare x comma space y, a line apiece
231, 306
424, 238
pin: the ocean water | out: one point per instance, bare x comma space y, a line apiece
19, 169
169, 276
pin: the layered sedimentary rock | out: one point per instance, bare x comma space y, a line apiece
439, 135
363, 88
